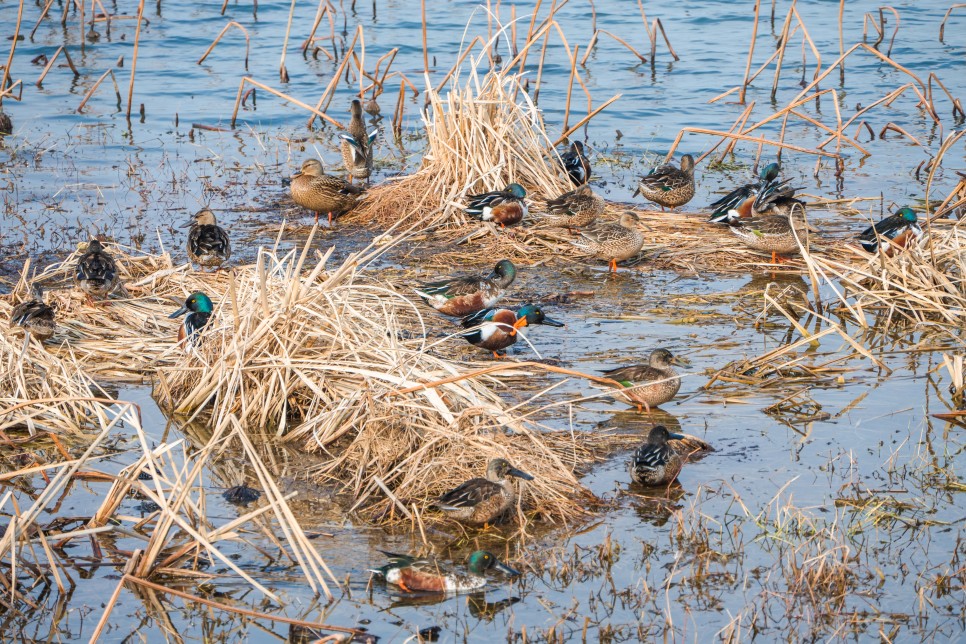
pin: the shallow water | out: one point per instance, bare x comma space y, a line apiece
775, 478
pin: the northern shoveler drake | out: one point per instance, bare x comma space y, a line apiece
896, 230
35, 316
655, 462
96, 273
414, 575
613, 242
199, 308
480, 501
667, 185
505, 207
741, 199
208, 243
357, 144
319, 192
775, 234
649, 385
576, 164
464, 295
496, 329
574, 209
776, 198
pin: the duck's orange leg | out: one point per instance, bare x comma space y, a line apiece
613, 266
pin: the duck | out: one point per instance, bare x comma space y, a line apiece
496, 329
96, 273
199, 309
35, 316
357, 144
576, 164
577, 208
776, 198
613, 242
775, 233
208, 243
505, 207
319, 192
480, 501
649, 385
743, 197
463, 295
897, 230
655, 462
667, 185
414, 575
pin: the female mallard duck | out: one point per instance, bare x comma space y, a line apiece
575, 209
898, 229
576, 163
319, 192
613, 242
649, 385
208, 243
357, 145
505, 207
741, 199
199, 308
655, 462
775, 234
96, 272
413, 575
667, 185
482, 500
35, 316
461, 296
496, 329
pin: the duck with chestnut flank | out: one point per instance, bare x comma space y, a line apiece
496, 329
896, 230
480, 501
467, 294
743, 197
505, 207
198, 308
413, 574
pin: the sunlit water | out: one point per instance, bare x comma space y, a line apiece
66, 175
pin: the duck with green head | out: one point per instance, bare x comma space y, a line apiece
466, 294
667, 185
897, 230
198, 308
648, 385
480, 501
425, 575
741, 199
655, 462
505, 207
497, 329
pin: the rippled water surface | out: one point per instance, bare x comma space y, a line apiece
706, 561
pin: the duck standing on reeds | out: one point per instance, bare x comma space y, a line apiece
667, 185
574, 209
319, 192
480, 501
357, 144
649, 385
613, 242
208, 243
655, 462
414, 575
741, 199
199, 309
96, 273
35, 316
897, 230
505, 207
463, 295
497, 329
576, 164
776, 233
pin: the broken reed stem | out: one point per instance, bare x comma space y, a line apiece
290, 99
134, 58
230, 24
422, 6
90, 92
745, 137
13, 48
53, 59
751, 52
282, 72
570, 86
587, 118
330, 88
942, 25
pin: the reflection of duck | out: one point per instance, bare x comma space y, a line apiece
690, 447
479, 501
412, 574
667, 185
482, 609
649, 385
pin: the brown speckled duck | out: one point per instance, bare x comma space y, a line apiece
667, 185
482, 500
655, 462
773, 233
208, 244
96, 273
319, 192
357, 144
35, 316
649, 385
575, 209
613, 242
